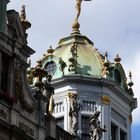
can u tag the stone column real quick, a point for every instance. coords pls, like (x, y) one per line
(105, 121)
(3, 15)
(80, 120)
(105, 117)
(66, 114)
(128, 137)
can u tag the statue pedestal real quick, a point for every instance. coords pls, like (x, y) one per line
(51, 126)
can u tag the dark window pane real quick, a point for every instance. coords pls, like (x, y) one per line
(113, 132)
(50, 67)
(85, 137)
(85, 126)
(122, 135)
(4, 73)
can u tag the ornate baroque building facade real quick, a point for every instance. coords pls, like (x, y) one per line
(60, 97)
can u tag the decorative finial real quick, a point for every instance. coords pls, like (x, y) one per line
(106, 54)
(76, 25)
(130, 75)
(50, 50)
(130, 83)
(25, 23)
(106, 62)
(117, 59)
(39, 65)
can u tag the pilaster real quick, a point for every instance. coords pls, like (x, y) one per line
(66, 113)
(118, 133)
(106, 118)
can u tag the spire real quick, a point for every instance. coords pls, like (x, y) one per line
(3, 15)
(117, 59)
(130, 83)
(76, 25)
(106, 62)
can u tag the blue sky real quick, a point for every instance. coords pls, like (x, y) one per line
(113, 26)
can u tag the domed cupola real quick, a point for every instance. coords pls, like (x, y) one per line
(76, 55)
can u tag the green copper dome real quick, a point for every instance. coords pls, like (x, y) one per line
(74, 55)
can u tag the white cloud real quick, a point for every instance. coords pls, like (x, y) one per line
(113, 26)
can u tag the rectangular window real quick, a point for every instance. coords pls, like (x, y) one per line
(85, 126)
(122, 135)
(114, 130)
(118, 117)
(4, 72)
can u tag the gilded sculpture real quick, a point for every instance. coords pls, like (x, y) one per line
(76, 24)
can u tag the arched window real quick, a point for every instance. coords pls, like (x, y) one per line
(50, 67)
(117, 76)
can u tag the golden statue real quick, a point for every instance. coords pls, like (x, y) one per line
(23, 13)
(78, 8)
(76, 24)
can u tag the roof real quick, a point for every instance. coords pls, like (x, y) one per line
(79, 55)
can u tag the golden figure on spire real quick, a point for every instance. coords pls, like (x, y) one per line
(76, 24)
(78, 7)
(23, 13)
(25, 23)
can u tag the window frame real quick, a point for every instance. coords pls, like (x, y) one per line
(51, 67)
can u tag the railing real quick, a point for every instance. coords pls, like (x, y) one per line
(58, 108)
(61, 134)
(88, 106)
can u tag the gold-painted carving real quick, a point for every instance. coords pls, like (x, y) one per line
(71, 94)
(105, 100)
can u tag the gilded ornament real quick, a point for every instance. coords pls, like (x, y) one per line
(76, 25)
(50, 50)
(105, 100)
